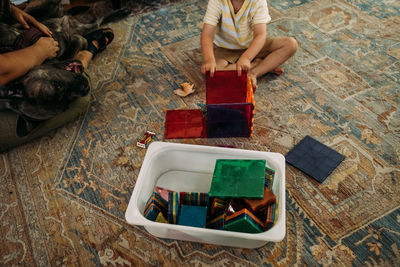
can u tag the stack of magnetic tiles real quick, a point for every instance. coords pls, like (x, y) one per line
(184, 208)
(240, 200)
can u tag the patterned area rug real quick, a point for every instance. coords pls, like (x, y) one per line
(63, 196)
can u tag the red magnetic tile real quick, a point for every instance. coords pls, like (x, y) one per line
(226, 87)
(185, 123)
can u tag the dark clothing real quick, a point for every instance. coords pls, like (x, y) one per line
(5, 15)
(27, 38)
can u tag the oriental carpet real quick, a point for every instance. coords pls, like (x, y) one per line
(64, 196)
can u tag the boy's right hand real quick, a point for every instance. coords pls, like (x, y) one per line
(47, 46)
(243, 64)
(208, 65)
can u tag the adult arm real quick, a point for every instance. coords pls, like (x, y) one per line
(15, 64)
(259, 37)
(207, 47)
(25, 19)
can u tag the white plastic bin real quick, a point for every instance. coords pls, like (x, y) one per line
(182, 167)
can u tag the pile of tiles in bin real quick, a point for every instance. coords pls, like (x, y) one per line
(240, 200)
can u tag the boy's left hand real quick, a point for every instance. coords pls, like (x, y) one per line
(243, 64)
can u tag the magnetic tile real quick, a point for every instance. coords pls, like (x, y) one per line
(193, 216)
(217, 222)
(243, 221)
(229, 120)
(255, 204)
(152, 212)
(314, 158)
(217, 206)
(226, 87)
(160, 218)
(157, 201)
(185, 123)
(193, 198)
(238, 178)
(271, 215)
(269, 177)
(173, 207)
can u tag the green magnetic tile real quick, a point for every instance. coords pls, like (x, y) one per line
(238, 178)
(243, 225)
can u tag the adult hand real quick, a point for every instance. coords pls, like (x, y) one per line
(243, 64)
(47, 46)
(25, 19)
(210, 66)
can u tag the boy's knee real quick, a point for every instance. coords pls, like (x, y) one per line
(291, 45)
(221, 63)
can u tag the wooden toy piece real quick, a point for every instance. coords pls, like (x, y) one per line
(173, 207)
(243, 221)
(256, 204)
(193, 198)
(160, 218)
(238, 178)
(193, 216)
(217, 222)
(187, 88)
(146, 139)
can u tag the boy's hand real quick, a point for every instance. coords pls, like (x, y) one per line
(210, 66)
(242, 64)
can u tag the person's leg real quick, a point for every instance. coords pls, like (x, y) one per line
(226, 58)
(272, 56)
(85, 56)
(100, 39)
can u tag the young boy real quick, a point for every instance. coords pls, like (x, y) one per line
(234, 37)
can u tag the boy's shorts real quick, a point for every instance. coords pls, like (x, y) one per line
(233, 55)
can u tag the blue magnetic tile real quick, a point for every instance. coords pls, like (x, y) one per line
(193, 216)
(229, 120)
(314, 158)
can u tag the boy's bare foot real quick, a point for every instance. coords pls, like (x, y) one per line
(278, 71)
(253, 79)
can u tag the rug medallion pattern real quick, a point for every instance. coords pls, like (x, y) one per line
(64, 195)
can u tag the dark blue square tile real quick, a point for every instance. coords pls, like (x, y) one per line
(314, 158)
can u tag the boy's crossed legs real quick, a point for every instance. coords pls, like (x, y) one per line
(274, 53)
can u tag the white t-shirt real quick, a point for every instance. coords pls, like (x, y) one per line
(235, 31)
